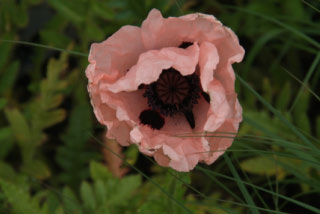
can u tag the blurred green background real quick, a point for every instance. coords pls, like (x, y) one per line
(51, 146)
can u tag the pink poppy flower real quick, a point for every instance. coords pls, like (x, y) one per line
(171, 76)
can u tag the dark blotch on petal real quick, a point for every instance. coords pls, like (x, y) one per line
(206, 96)
(151, 118)
(184, 45)
(190, 118)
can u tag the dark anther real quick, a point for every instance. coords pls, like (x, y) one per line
(184, 45)
(151, 118)
(141, 86)
(206, 96)
(190, 118)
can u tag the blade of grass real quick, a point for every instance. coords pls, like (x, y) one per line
(314, 163)
(197, 191)
(258, 45)
(284, 50)
(305, 48)
(306, 80)
(298, 195)
(278, 114)
(236, 135)
(241, 186)
(277, 22)
(206, 197)
(261, 139)
(179, 7)
(310, 5)
(302, 204)
(267, 141)
(305, 86)
(245, 205)
(304, 22)
(44, 46)
(221, 200)
(248, 179)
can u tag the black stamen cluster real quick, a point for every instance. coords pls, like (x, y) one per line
(171, 94)
(187, 103)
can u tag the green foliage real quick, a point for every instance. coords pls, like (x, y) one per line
(22, 133)
(8, 77)
(40, 113)
(19, 199)
(95, 14)
(105, 195)
(110, 193)
(70, 201)
(74, 154)
(263, 165)
(99, 172)
(5, 136)
(174, 183)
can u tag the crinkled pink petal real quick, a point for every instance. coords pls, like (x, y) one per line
(183, 153)
(161, 158)
(221, 141)
(220, 108)
(208, 61)
(158, 32)
(151, 64)
(107, 115)
(103, 112)
(128, 105)
(194, 16)
(126, 44)
(121, 132)
(181, 159)
(229, 52)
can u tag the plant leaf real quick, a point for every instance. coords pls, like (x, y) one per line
(87, 196)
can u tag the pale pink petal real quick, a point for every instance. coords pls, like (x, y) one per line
(103, 112)
(151, 64)
(161, 158)
(127, 105)
(194, 16)
(176, 124)
(221, 141)
(220, 108)
(121, 132)
(107, 115)
(201, 112)
(229, 52)
(125, 44)
(183, 153)
(208, 61)
(158, 32)
(236, 110)
(184, 157)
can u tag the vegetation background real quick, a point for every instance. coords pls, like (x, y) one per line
(54, 160)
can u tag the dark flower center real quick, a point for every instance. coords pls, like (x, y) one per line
(172, 87)
(172, 93)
